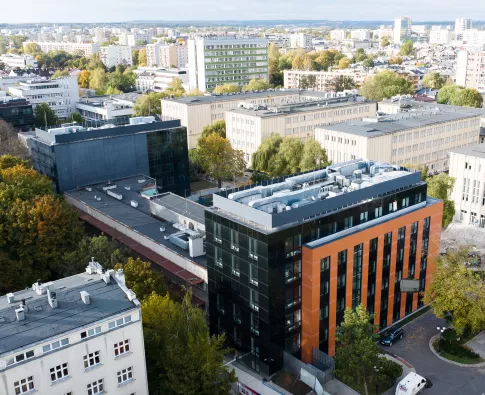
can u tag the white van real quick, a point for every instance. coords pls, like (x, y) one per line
(411, 384)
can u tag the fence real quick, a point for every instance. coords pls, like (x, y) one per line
(294, 365)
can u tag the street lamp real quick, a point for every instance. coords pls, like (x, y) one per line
(376, 369)
(441, 329)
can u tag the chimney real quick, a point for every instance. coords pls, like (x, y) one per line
(86, 298)
(92, 266)
(120, 276)
(106, 277)
(52, 298)
(20, 313)
(10, 298)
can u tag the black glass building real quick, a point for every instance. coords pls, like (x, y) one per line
(18, 113)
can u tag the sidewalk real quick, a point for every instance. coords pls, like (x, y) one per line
(406, 369)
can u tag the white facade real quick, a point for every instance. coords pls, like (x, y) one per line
(320, 80)
(338, 34)
(167, 55)
(87, 49)
(218, 61)
(158, 79)
(462, 24)
(467, 167)
(440, 35)
(19, 61)
(60, 94)
(90, 356)
(153, 55)
(113, 55)
(101, 109)
(470, 69)
(402, 29)
(301, 40)
(473, 37)
(360, 34)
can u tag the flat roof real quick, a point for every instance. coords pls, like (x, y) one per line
(398, 122)
(182, 206)
(140, 218)
(43, 322)
(476, 150)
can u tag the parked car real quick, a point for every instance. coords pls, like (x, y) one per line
(411, 384)
(391, 336)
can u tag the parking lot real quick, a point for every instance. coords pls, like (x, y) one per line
(447, 378)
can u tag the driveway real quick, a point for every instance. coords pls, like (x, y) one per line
(447, 379)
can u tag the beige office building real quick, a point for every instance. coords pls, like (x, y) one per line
(418, 137)
(470, 69)
(248, 126)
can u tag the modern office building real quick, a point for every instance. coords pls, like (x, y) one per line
(470, 69)
(80, 334)
(462, 24)
(218, 61)
(101, 110)
(87, 49)
(423, 135)
(114, 55)
(322, 81)
(467, 167)
(248, 125)
(60, 94)
(17, 112)
(286, 259)
(19, 61)
(402, 29)
(195, 112)
(73, 156)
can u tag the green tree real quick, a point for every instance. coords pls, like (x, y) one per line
(149, 104)
(31, 48)
(134, 56)
(406, 48)
(60, 73)
(257, 84)
(7, 161)
(142, 57)
(341, 83)
(288, 159)
(139, 43)
(344, 63)
(182, 357)
(218, 159)
(142, 279)
(218, 126)
(440, 187)
(447, 92)
(10, 143)
(98, 80)
(275, 73)
(467, 97)
(3, 45)
(76, 117)
(45, 116)
(175, 88)
(226, 88)
(360, 55)
(265, 153)
(314, 156)
(195, 92)
(385, 42)
(368, 63)
(356, 353)
(433, 81)
(385, 84)
(455, 289)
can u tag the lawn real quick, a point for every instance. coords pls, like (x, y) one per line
(287, 381)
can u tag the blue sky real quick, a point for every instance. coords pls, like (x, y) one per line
(123, 10)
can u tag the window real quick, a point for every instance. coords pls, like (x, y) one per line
(125, 375)
(91, 359)
(325, 288)
(24, 385)
(324, 312)
(55, 345)
(364, 216)
(253, 248)
(218, 256)
(348, 222)
(388, 238)
(119, 322)
(235, 266)
(122, 347)
(253, 274)
(90, 332)
(20, 357)
(58, 372)
(378, 212)
(325, 264)
(97, 387)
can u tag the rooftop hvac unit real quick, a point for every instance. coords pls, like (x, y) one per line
(118, 196)
(134, 203)
(85, 297)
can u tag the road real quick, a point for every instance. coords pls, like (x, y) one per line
(447, 379)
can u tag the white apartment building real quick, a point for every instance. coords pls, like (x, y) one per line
(100, 110)
(78, 335)
(60, 94)
(402, 29)
(218, 61)
(422, 136)
(440, 35)
(167, 55)
(470, 69)
(19, 61)
(158, 79)
(281, 40)
(473, 38)
(113, 55)
(197, 112)
(301, 40)
(338, 34)
(467, 167)
(249, 125)
(360, 34)
(153, 54)
(385, 31)
(319, 80)
(87, 49)
(462, 24)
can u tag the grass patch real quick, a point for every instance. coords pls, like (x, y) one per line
(202, 184)
(286, 380)
(413, 316)
(463, 357)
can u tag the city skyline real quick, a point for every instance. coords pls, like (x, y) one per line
(192, 10)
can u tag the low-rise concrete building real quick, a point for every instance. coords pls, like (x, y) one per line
(87, 49)
(19, 61)
(322, 80)
(100, 110)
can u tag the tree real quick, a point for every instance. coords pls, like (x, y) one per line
(218, 127)
(360, 55)
(226, 88)
(142, 279)
(455, 289)
(433, 81)
(45, 116)
(60, 73)
(257, 84)
(344, 63)
(10, 143)
(385, 42)
(18, 40)
(275, 74)
(76, 117)
(218, 159)
(357, 353)
(406, 48)
(467, 97)
(368, 63)
(182, 356)
(395, 60)
(31, 48)
(341, 83)
(142, 57)
(447, 92)
(98, 80)
(8, 161)
(385, 84)
(149, 104)
(288, 159)
(83, 80)
(440, 187)
(175, 88)
(314, 156)
(195, 92)
(134, 56)
(265, 153)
